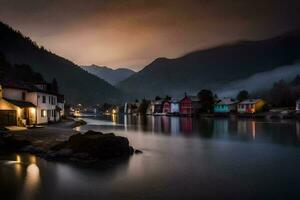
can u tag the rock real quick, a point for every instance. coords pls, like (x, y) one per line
(78, 123)
(90, 132)
(93, 146)
(138, 151)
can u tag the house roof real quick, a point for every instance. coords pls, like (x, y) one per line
(226, 101)
(21, 104)
(250, 101)
(30, 87)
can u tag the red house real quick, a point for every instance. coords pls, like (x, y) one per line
(189, 105)
(166, 107)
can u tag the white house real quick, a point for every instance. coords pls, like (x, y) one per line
(175, 106)
(29, 104)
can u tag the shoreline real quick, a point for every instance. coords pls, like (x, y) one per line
(52, 142)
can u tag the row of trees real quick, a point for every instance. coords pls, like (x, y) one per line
(22, 72)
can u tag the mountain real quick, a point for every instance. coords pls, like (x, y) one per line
(77, 85)
(110, 75)
(213, 68)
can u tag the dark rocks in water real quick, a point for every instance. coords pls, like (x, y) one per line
(137, 151)
(90, 132)
(10, 144)
(78, 123)
(92, 146)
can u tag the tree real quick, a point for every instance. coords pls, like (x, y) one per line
(157, 98)
(296, 81)
(242, 95)
(206, 100)
(54, 86)
(281, 95)
(168, 98)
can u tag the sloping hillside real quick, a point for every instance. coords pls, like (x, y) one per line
(112, 76)
(213, 68)
(78, 85)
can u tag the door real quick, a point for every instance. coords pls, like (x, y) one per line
(8, 118)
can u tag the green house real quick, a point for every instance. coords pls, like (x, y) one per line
(225, 106)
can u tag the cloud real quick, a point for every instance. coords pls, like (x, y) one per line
(135, 32)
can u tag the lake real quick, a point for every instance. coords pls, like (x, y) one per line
(183, 158)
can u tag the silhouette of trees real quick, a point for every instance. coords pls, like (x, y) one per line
(206, 100)
(242, 95)
(281, 95)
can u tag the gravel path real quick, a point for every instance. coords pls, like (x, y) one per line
(48, 135)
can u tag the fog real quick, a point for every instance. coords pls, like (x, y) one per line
(259, 81)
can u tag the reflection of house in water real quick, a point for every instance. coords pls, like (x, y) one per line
(157, 124)
(165, 124)
(221, 126)
(175, 126)
(247, 127)
(186, 124)
(298, 129)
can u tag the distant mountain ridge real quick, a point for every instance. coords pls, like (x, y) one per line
(213, 68)
(112, 76)
(77, 85)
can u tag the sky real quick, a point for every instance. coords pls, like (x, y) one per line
(133, 33)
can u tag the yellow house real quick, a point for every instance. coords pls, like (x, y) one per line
(16, 113)
(251, 106)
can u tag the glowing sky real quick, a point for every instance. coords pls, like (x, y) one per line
(132, 33)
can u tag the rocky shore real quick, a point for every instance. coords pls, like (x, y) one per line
(48, 143)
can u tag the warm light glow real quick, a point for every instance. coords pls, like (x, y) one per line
(77, 113)
(253, 129)
(18, 159)
(32, 159)
(114, 111)
(32, 111)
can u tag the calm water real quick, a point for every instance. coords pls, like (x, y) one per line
(183, 158)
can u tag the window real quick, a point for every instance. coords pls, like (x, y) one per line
(44, 99)
(23, 96)
(49, 99)
(43, 113)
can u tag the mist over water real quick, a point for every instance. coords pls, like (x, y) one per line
(259, 81)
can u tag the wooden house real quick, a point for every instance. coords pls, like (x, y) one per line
(166, 107)
(251, 106)
(175, 104)
(226, 105)
(189, 105)
(158, 107)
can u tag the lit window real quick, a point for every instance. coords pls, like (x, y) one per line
(43, 113)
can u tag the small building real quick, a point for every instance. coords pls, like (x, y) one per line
(158, 107)
(29, 104)
(190, 105)
(298, 106)
(150, 108)
(226, 105)
(166, 107)
(251, 106)
(175, 104)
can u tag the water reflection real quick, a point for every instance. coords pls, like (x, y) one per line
(227, 128)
